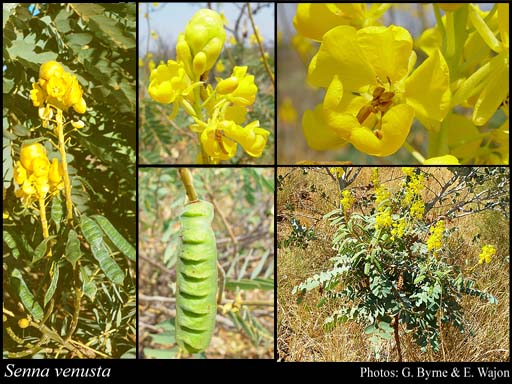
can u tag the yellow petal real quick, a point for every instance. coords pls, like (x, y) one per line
(442, 160)
(427, 90)
(318, 135)
(387, 49)
(494, 91)
(396, 125)
(341, 55)
(314, 20)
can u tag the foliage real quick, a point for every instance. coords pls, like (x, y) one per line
(243, 220)
(382, 277)
(69, 253)
(300, 235)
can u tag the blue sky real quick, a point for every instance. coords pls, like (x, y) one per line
(169, 19)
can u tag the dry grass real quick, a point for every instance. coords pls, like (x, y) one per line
(301, 336)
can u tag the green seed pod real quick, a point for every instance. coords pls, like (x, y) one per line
(196, 282)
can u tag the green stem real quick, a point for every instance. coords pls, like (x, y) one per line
(186, 179)
(62, 151)
(414, 152)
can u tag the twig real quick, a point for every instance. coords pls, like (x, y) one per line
(186, 179)
(262, 52)
(157, 264)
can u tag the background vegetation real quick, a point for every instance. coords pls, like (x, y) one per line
(244, 228)
(304, 248)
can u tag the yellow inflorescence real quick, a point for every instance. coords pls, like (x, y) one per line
(35, 175)
(58, 88)
(435, 240)
(488, 251)
(347, 199)
(218, 113)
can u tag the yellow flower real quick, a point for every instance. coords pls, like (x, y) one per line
(245, 93)
(337, 171)
(417, 209)
(220, 67)
(168, 82)
(56, 87)
(29, 153)
(37, 95)
(399, 228)
(80, 107)
(151, 65)
(488, 251)
(219, 139)
(383, 219)
(347, 199)
(51, 69)
(55, 172)
(304, 48)
(205, 35)
(154, 35)
(286, 111)
(253, 39)
(371, 99)
(20, 173)
(74, 92)
(435, 240)
(442, 160)
(40, 166)
(227, 85)
(313, 20)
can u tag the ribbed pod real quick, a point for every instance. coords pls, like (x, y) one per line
(196, 305)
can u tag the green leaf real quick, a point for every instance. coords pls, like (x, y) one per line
(79, 39)
(40, 250)
(247, 284)
(11, 243)
(94, 236)
(419, 279)
(26, 297)
(57, 211)
(117, 239)
(89, 289)
(152, 353)
(73, 252)
(53, 285)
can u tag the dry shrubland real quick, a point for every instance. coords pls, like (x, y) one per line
(306, 196)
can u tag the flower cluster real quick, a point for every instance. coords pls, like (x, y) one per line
(399, 228)
(347, 200)
(435, 240)
(413, 186)
(382, 201)
(337, 171)
(36, 175)
(219, 112)
(488, 251)
(383, 219)
(58, 88)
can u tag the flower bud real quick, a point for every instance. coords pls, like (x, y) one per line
(30, 152)
(50, 69)
(227, 85)
(199, 63)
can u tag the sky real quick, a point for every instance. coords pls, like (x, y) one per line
(169, 19)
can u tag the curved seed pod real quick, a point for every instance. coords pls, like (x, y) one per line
(196, 281)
